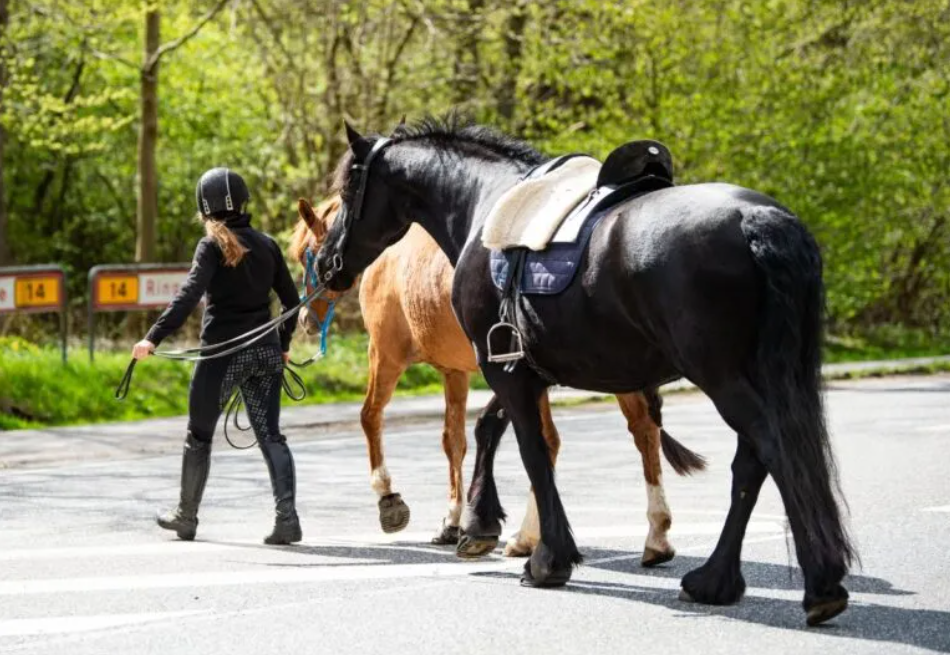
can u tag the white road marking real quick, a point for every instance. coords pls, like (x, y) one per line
(935, 428)
(381, 571)
(127, 550)
(345, 568)
(70, 624)
(944, 508)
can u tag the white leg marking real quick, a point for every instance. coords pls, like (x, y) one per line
(658, 514)
(524, 541)
(455, 514)
(381, 482)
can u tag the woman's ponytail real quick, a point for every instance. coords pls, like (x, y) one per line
(230, 245)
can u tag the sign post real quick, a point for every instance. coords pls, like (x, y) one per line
(131, 287)
(34, 290)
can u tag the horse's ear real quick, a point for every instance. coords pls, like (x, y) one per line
(305, 209)
(358, 143)
(398, 128)
(317, 224)
(351, 134)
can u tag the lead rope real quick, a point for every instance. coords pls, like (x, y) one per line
(236, 402)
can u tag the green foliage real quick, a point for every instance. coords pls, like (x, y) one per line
(836, 109)
(36, 389)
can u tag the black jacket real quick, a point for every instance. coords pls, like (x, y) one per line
(238, 297)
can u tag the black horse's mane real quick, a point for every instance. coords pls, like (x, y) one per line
(456, 133)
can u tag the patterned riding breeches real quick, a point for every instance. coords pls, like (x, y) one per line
(257, 371)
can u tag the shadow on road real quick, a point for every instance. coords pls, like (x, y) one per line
(379, 554)
(927, 629)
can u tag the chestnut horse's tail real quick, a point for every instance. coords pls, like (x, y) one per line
(683, 460)
(788, 375)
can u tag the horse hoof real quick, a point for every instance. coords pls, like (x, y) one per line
(517, 548)
(393, 513)
(825, 611)
(542, 578)
(713, 585)
(447, 535)
(473, 547)
(652, 557)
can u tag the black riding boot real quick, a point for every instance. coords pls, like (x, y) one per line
(283, 479)
(195, 462)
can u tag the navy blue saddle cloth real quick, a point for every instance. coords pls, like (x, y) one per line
(549, 272)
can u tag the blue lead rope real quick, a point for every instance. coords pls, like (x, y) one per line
(324, 326)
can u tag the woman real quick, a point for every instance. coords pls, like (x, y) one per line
(235, 267)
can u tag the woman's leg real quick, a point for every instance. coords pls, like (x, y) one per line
(211, 384)
(261, 392)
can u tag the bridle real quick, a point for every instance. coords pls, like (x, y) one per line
(350, 216)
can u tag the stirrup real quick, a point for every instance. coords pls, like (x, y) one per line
(516, 351)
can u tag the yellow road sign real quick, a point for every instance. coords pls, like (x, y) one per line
(38, 291)
(117, 290)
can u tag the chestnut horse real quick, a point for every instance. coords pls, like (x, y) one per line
(405, 297)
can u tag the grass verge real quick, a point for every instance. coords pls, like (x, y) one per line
(37, 390)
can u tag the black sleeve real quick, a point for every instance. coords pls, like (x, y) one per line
(203, 266)
(287, 293)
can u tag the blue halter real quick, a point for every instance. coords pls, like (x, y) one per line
(311, 277)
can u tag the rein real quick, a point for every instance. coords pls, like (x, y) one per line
(249, 338)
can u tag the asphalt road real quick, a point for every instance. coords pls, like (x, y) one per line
(84, 570)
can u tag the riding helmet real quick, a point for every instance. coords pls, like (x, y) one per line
(221, 192)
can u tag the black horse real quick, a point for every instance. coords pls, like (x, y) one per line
(711, 282)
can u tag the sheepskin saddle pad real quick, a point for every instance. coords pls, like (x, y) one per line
(529, 214)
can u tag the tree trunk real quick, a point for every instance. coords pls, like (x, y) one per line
(467, 66)
(147, 211)
(514, 46)
(5, 255)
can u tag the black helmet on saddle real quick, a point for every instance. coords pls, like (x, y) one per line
(221, 193)
(635, 160)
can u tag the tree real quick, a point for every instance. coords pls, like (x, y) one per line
(4, 238)
(147, 209)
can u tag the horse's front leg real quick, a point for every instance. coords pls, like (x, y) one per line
(555, 555)
(384, 373)
(454, 444)
(481, 522)
(523, 542)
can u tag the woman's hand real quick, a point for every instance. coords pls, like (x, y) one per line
(142, 349)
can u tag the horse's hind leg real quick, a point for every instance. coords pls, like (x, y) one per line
(454, 444)
(523, 542)
(384, 373)
(719, 581)
(760, 452)
(646, 435)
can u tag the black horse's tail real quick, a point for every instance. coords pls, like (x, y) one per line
(788, 374)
